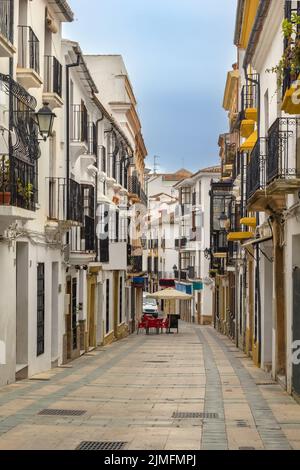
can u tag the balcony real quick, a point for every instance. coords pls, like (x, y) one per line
(249, 104)
(283, 161)
(135, 264)
(136, 191)
(180, 243)
(18, 168)
(57, 199)
(52, 82)
(183, 275)
(256, 177)
(75, 203)
(79, 129)
(82, 249)
(6, 28)
(28, 69)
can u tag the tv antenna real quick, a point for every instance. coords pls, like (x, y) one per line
(155, 164)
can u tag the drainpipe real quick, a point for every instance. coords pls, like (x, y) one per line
(96, 189)
(68, 67)
(257, 274)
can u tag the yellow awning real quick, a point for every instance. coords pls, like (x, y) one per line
(239, 236)
(220, 255)
(249, 221)
(250, 142)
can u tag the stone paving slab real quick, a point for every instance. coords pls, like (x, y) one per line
(127, 397)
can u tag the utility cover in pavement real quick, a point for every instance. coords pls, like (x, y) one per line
(94, 445)
(53, 412)
(178, 415)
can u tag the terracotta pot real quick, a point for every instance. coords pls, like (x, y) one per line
(5, 198)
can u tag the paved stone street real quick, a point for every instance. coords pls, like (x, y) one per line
(131, 390)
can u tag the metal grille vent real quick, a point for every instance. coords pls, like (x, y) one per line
(94, 445)
(53, 412)
(178, 415)
(242, 424)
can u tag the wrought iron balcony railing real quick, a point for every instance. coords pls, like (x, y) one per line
(88, 234)
(53, 75)
(256, 170)
(180, 242)
(283, 161)
(219, 243)
(79, 123)
(75, 202)
(6, 19)
(57, 199)
(18, 169)
(136, 264)
(29, 49)
(249, 95)
(18, 183)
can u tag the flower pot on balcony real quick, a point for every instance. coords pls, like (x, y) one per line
(5, 198)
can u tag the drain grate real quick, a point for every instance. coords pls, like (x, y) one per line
(53, 412)
(246, 448)
(94, 445)
(178, 415)
(242, 424)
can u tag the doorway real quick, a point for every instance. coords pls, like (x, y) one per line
(54, 313)
(22, 275)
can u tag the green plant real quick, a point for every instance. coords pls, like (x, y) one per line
(4, 175)
(25, 191)
(290, 60)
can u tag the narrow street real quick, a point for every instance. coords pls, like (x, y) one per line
(131, 391)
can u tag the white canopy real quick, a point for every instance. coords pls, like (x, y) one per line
(169, 294)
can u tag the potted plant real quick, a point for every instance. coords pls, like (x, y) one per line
(25, 192)
(289, 64)
(5, 194)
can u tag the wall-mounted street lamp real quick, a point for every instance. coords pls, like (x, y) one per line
(45, 119)
(223, 221)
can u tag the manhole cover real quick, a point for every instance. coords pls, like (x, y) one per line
(53, 412)
(93, 445)
(266, 382)
(178, 415)
(156, 362)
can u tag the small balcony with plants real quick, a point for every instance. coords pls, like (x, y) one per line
(288, 68)
(19, 157)
(7, 48)
(28, 67)
(52, 93)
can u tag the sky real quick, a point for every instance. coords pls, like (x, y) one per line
(177, 54)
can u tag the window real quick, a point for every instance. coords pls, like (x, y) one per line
(40, 309)
(121, 301)
(186, 195)
(107, 305)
